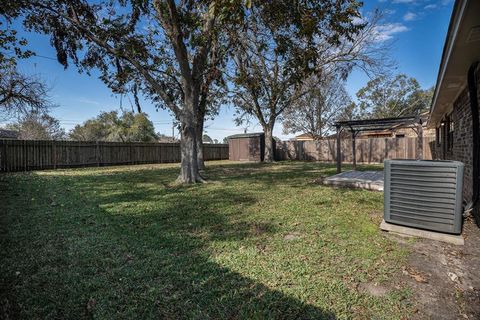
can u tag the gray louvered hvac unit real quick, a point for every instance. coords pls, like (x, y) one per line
(424, 194)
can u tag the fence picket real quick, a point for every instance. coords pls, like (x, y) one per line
(23, 155)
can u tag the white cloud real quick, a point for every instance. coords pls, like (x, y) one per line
(430, 6)
(404, 1)
(89, 101)
(358, 20)
(410, 16)
(386, 31)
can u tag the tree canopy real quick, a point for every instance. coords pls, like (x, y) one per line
(38, 126)
(390, 96)
(20, 94)
(207, 139)
(169, 51)
(324, 102)
(110, 126)
(279, 49)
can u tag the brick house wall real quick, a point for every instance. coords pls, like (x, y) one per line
(459, 145)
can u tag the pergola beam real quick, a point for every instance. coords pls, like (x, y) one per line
(357, 126)
(339, 150)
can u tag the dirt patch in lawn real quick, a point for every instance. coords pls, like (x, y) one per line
(444, 278)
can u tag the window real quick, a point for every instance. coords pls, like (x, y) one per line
(450, 129)
(440, 133)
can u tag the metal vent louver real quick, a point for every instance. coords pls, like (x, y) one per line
(424, 194)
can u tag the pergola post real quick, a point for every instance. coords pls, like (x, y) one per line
(420, 140)
(354, 151)
(339, 151)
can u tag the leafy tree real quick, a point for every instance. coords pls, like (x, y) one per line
(225, 140)
(90, 130)
(38, 126)
(390, 96)
(109, 126)
(20, 94)
(315, 113)
(284, 44)
(169, 51)
(350, 112)
(215, 141)
(206, 139)
(167, 139)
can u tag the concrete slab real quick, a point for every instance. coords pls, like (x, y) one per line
(402, 230)
(370, 180)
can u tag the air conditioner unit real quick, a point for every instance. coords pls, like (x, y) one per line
(424, 194)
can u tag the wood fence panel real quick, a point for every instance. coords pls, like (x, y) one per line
(24, 155)
(368, 150)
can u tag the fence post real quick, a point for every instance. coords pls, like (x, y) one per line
(339, 152)
(54, 154)
(354, 151)
(3, 164)
(97, 153)
(420, 140)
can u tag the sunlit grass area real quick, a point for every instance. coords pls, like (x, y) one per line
(257, 242)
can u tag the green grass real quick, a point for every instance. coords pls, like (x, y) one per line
(258, 242)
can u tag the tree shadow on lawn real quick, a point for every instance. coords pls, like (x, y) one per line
(139, 251)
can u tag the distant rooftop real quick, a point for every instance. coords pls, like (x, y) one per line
(246, 135)
(9, 134)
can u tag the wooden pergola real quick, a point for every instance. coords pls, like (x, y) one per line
(357, 126)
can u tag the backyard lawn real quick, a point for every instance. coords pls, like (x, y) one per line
(259, 241)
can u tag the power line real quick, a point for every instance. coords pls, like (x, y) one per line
(44, 57)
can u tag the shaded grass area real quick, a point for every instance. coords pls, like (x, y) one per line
(258, 242)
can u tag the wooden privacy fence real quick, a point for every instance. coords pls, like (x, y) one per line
(368, 150)
(24, 155)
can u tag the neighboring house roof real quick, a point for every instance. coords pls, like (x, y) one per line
(9, 134)
(246, 135)
(461, 49)
(304, 137)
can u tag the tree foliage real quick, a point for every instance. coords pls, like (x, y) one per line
(22, 94)
(390, 96)
(207, 139)
(38, 126)
(169, 51)
(280, 48)
(325, 101)
(110, 126)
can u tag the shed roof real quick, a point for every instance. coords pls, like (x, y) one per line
(246, 135)
(9, 134)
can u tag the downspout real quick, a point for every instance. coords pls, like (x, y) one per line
(473, 90)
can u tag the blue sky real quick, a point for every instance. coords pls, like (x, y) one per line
(417, 29)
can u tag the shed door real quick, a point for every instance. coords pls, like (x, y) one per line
(243, 150)
(238, 149)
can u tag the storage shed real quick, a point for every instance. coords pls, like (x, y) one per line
(246, 147)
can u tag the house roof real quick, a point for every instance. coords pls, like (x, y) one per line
(304, 136)
(461, 49)
(246, 135)
(8, 134)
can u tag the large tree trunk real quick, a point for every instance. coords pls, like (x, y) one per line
(199, 133)
(269, 150)
(189, 172)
